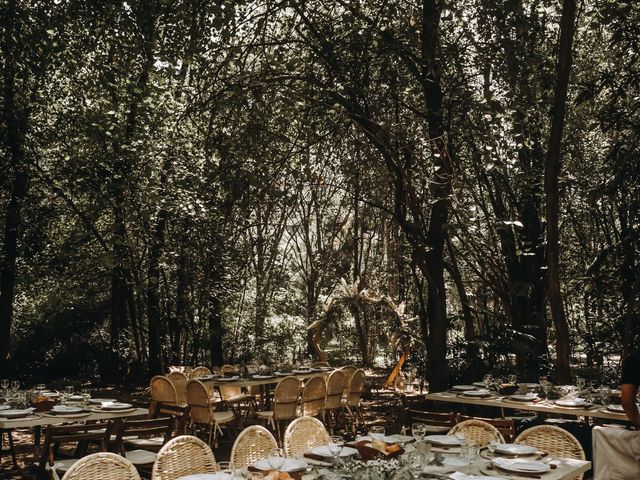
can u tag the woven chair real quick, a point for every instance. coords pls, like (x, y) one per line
(201, 410)
(240, 402)
(80, 435)
(162, 390)
(11, 450)
(102, 466)
(252, 444)
(478, 431)
(348, 371)
(436, 422)
(139, 440)
(320, 364)
(181, 456)
(285, 404)
(556, 441)
(506, 427)
(333, 399)
(313, 396)
(179, 381)
(352, 401)
(200, 371)
(303, 434)
(179, 413)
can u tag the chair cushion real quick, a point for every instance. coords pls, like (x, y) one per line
(223, 417)
(145, 443)
(265, 414)
(140, 457)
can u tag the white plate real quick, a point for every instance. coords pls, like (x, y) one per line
(479, 384)
(527, 397)
(463, 388)
(15, 413)
(282, 374)
(447, 440)
(521, 466)
(289, 465)
(395, 438)
(477, 393)
(75, 398)
(66, 409)
(571, 402)
(50, 394)
(529, 386)
(207, 476)
(260, 377)
(454, 462)
(323, 451)
(615, 408)
(5, 407)
(227, 379)
(515, 449)
(116, 406)
(301, 370)
(102, 400)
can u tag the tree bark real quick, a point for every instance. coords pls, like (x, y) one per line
(552, 173)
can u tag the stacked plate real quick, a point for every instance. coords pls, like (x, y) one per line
(323, 451)
(115, 406)
(515, 449)
(289, 465)
(480, 393)
(463, 388)
(527, 397)
(443, 440)
(16, 413)
(572, 402)
(522, 466)
(65, 409)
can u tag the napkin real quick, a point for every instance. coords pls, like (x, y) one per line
(464, 476)
(523, 465)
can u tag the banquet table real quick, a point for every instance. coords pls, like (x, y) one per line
(502, 402)
(42, 419)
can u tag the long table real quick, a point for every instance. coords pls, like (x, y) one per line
(540, 406)
(43, 419)
(257, 382)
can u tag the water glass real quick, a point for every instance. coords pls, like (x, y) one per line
(418, 430)
(492, 446)
(376, 432)
(86, 395)
(512, 379)
(336, 444)
(416, 462)
(69, 390)
(605, 393)
(487, 380)
(15, 386)
(469, 451)
(275, 459)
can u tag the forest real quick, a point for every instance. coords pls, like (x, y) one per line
(263, 181)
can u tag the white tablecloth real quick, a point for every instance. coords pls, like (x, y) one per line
(616, 454)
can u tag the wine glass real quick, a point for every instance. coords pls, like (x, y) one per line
(275, 459)
(376, 432)
(492, 446)
(418, 430)
(336, 444)
(512, 379)
(605, 393)
(580, 383)
(487, 380)
(4, 383)
(69, 390)
(416, 463)
(15, 386)
(86, 395)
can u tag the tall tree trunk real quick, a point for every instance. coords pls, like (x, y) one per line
(16, 125)
(552, 173)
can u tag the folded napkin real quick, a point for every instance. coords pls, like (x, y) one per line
(523, 465)
(464, 476)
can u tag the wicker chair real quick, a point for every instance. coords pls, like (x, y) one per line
(145, 437)
(320, 364)
(252, 444)
(11, 450)
(285, 404)
(478, 431)
(201, 410)
(556, 441)
(78, 434)
(303, 434)
(352, 401)
(179, 413)
(506, 427)
(179, 381)
(102, 466)
(162, 390)
(181, 456)
(241, 403)
(333, 399)
(200, 371)
(313, 396)
(436, 422)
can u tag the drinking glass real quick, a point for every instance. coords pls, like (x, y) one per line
(512, 378)
(41, 387)
(546, 387)
(580, 383)
(86, 395)
(336, 444)
(418, 430)
(69, 390)
(470, 451)
(605, 393)
(4, 383)
(415, 462)
(487, 380)
(492, 446)
(15, 385)
(376, 432)
(275, 459)
(462, 438)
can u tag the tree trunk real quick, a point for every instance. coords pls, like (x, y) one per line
(552, 173)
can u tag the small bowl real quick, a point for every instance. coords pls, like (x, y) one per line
(43, 406)
(508, 389)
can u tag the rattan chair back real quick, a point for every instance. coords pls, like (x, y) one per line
(179, 381)
(505, 426)
(252, 444)
(199, 371)
(335, 389)
(199, 402)
(313, 396)
(162, 390)
(181, 456)
(285, 398)
(102, 466)
(556, 441)
(129, 430)
(303, 434)
(356, 387)
(228, 392)
(478, 431)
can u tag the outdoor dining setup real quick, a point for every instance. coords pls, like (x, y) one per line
(306, 422)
